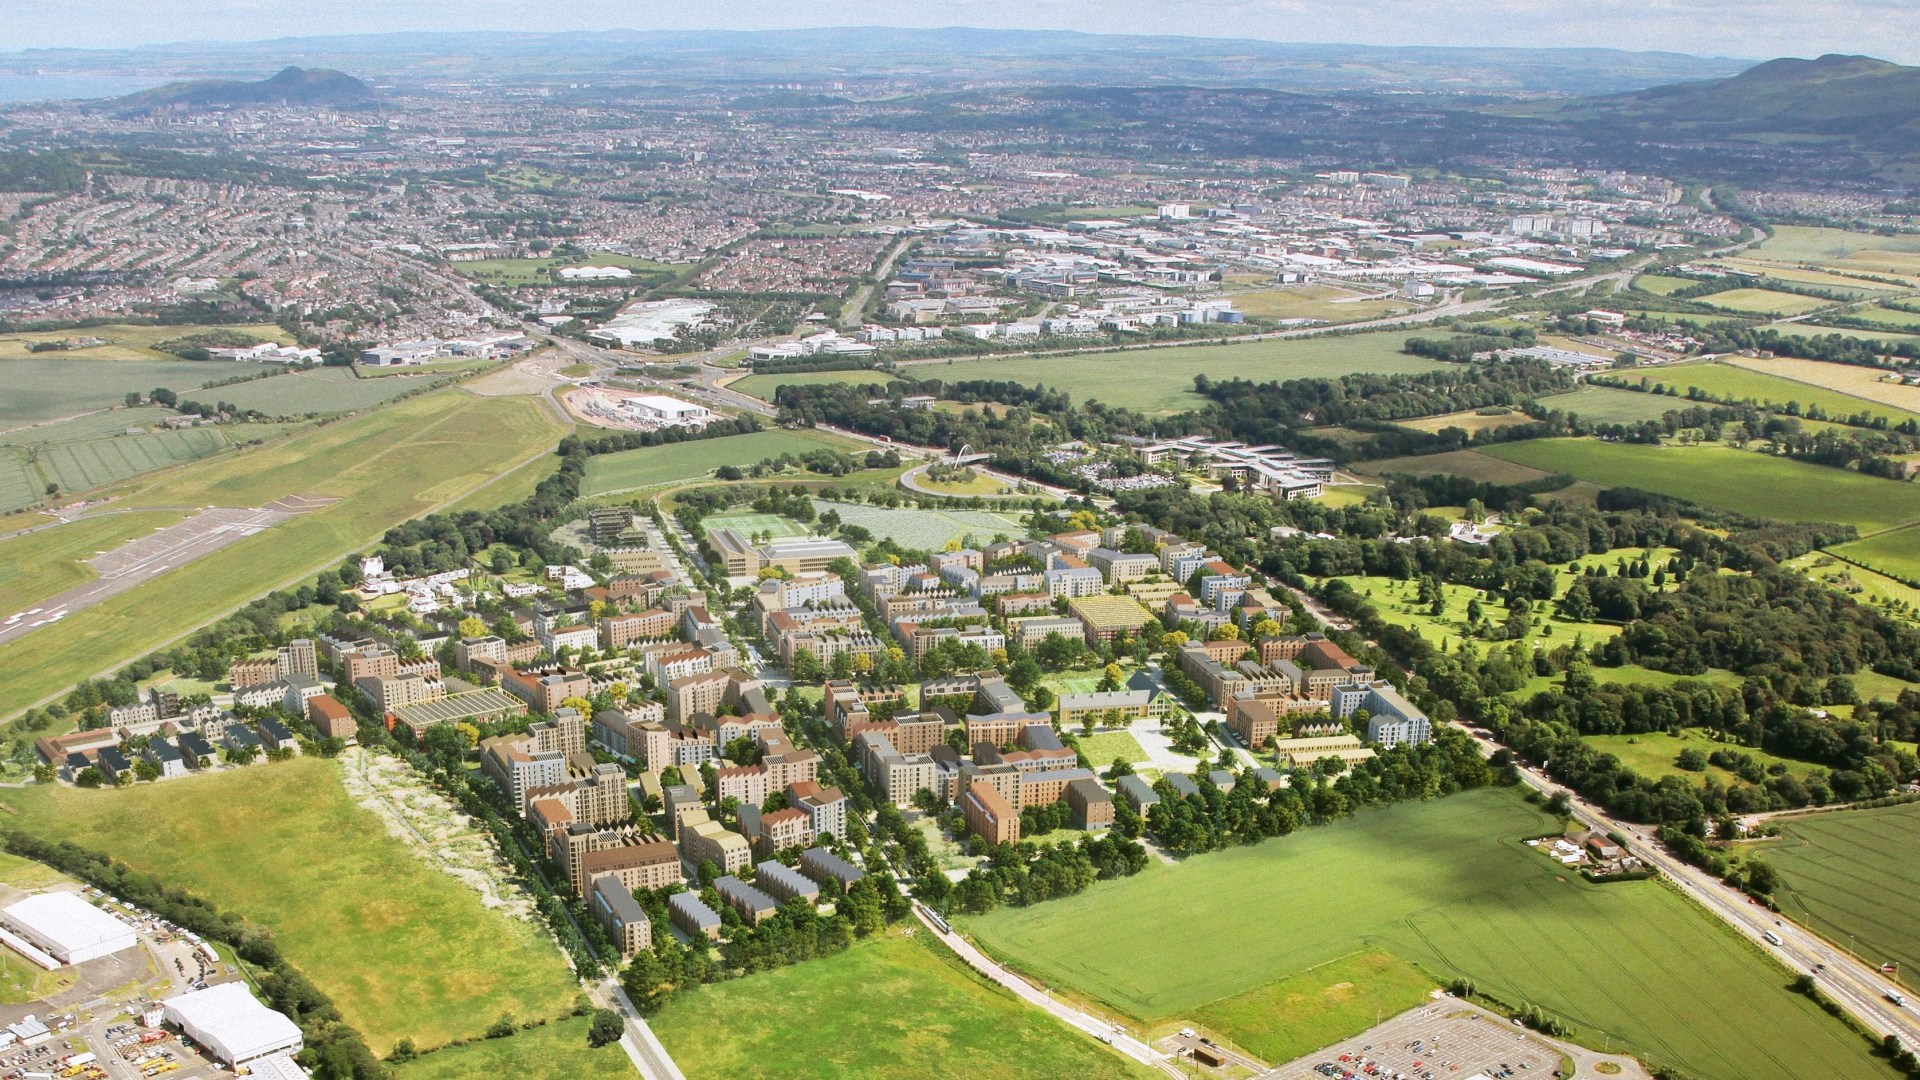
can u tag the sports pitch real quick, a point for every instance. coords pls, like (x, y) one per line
(925, 530)
(749, 524)
(1448, 886)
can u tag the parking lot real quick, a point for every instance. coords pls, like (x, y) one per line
(1440, 1041)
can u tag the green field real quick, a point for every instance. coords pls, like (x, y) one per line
(1765, 302)
(763, 386)
(1472, 464)
(1628, 675)
(92, 426)
(748, 524)
(1741, 481)
(1762, 388)
(1660, 285)
(631, 470)
(556, 1051)
(1106, 747)
(322, 390)
(1398, 603)
(1161, 380)
(1305, 1011)
(1326, 303)
(385, 467)
(40, 389)
(888, 1007)
(1893, 318)
(1808, 329)
(1806, 244)
(1447, 886)
(1896, 552)
(132, 341)
(37, 565)
(513, 273)
(1652, 755)
(1851, 876)
(403, 949)
(1603, 404)
(926, 530)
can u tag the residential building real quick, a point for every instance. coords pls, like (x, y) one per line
(990, 815)
(543, 691)
(754, 906)
(703, 839)
(612, 906)
(1091, 804)
(823, 866)
(694, 918)
(785, 883)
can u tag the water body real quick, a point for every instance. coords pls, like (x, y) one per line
(23, 88)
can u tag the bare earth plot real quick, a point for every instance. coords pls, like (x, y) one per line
(141, 560)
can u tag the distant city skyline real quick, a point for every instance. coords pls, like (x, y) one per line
(1757, 29)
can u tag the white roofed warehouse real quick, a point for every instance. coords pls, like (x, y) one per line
(68, 928)
(231, 1025)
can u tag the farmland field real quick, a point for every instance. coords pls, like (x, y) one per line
(40, 389)
(1849, 379)
(1806, 244)
(763, 386)
(95, 425)
(1896, 553)
(1161, 380)
(82, 465)
(131, 341)
(1447, 886)
(556, 1051)
(385, 467)
(1307, 1010)
(1850, 876)
(1765, 302)
(1661, 285)
(1741, 481)
(1892, 318)
(1603, 404)
(631, 470)
(1472, 464)
(925, 530)
(1807, 329)
(322, 390)
(888, 1007)
(1467, 421)
(403, 949)
(38, 565)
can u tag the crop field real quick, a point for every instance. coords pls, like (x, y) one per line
(322, 390)
(92, 426)
(1609, 406)
(556, 1051)
(1741, 481)
(925, 530)
(82, 465)
(403, 949)
(1324, 302)
(40, 389)
(1808, 329)
(385, 467)
(1472, 464)
(763, 386)
(1653, 755)
(1851, 876)
(1660, 285)
(1468, 421)
(631, 470)
(41, 564)
(1892, 318)
(1448, 887)
(1161, 379)
(1850, 379)
(890, 1006)
(1765, 302)
(749, 524)
(1896, 552)
(1840, 284)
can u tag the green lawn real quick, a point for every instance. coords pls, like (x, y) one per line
(631, 470)
(1802, 243)
(888, 1007)
(41, 564)
(1106, 747)
(1161, 380)
(1317, 1007)
(1741, 481)
(556, 1051)
(1743, 384)
(1851, 875)
(927, 530)
(403, 949)
(1652, 755)
(1448, 887)
(385, 467)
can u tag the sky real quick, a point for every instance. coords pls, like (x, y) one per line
(1889, 29)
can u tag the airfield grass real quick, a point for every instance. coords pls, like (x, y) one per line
(385, 467)
(1742, 481)
(1851, 876)
(403, 949)
(39, 389)
(1161, 379)
(631, 470)
(556, 1051)
(1653, 754)
(1896, 552)
(1765, 383)
(322, 390)
(1309, 1009)
(1106, 747)
(890, 1006)
(1765, 302)
(1849, 379)
(763, 386)
(1448, 887)
(42, 564)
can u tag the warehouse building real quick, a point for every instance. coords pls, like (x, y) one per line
(68, 928)
(231, 1024)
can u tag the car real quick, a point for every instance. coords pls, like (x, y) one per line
(1186, 1033)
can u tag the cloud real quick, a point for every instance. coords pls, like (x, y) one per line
(1751, 28)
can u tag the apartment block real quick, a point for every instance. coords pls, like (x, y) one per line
(990, 815)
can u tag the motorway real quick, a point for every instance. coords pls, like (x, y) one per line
(1856, 986)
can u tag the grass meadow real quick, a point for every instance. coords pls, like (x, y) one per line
(385, 467)
(1765, 302)
(39, 389)
(40, 564)
(556, 1051)
(1851, 876)
(632, 470)
(1661, 285)
(1742, 481)
(1472, 464)
(1765, 383)
(1446, 886)
(891, 1006)
(1652, 755)
(1807, 244)
(1895, 552)
(403, 949)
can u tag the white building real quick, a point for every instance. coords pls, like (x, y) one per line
(231, 1025)
(667, 411)
(68, 928)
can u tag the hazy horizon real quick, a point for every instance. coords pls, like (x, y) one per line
(1757, 29)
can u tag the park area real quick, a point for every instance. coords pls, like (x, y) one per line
(1655, 754)
(1852, 877)
(1742, 481)
(890, 1006)
(404, 950)
(1447, 887)
(672, 463)
(926, 530)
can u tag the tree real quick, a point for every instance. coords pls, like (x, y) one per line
(471, 627)
(403, 1051)
(146, 770)
(89, 777)
(605, 1028)
(1110, 677)
(501, 1028)
(580, 705)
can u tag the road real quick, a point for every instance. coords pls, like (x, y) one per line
(856, 304)
(1856, 986)
(643, 1049)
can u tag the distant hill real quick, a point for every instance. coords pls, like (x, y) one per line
(962, 55)
(293, 86)
(1864, 103)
